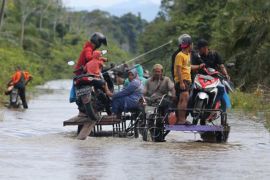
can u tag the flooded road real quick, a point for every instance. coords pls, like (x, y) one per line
(35, 145)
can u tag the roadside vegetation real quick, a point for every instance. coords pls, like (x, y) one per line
(42, 36)
(238, 30)
(255, 104)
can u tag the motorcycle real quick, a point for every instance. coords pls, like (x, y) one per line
(14, 98)
(13, 94)
(90, 97)
(207, 92)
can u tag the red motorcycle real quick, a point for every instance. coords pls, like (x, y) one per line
(207, 94)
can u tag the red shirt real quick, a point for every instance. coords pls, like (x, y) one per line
(85, 56)
(95, 65)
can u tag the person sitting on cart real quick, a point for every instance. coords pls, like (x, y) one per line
(157, 86)
(128, 98)
(140, 72)
(19, 80)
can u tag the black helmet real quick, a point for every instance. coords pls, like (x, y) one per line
(202, 43)
(184, 40)
(98, 39)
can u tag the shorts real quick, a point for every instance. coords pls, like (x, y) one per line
(178, 91)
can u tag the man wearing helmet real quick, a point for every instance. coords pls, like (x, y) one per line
(86, 55)
(182, 76)
(96, 40)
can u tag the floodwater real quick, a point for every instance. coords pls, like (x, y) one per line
(35, 145)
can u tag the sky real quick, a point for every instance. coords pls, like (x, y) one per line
(147, 8)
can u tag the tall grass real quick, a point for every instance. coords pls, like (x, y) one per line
(252, 103)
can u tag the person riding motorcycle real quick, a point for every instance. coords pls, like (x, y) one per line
(86, 55)
(212, 59)
(96, 65)
(19, 80)
(96, 41)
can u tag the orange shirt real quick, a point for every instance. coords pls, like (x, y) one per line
(94, 67)
(17, 76)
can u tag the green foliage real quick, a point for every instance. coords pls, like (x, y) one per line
(238, 29)
(62, 30)
(246, 101)
(53, 35)
(253, 104)
(122, 30)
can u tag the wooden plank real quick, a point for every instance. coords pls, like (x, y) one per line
(86, 130)
(102, 122)
(80, 120)
(108, 120)
(76, 120)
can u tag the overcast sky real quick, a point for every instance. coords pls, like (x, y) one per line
(148, 8)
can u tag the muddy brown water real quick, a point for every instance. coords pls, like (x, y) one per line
(34, 145)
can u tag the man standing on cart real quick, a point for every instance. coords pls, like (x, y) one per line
(182, 76)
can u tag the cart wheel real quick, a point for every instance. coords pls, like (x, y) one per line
(195, 121)
(223, 119)
(223, 136)
(216, 137)
(145, 134)
(202, 122)
(158, 131)
(136, 131)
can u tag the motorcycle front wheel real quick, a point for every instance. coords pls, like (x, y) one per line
(198, 113)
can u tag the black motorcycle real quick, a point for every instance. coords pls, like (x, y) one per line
(90, 96)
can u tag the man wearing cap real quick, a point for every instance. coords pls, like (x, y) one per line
(182, 76)
(158, 85)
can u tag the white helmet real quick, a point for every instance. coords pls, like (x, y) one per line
(184, 40)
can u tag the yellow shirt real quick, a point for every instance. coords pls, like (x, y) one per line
(182, 60)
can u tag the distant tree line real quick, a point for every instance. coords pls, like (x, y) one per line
(238, 29)
(42, 36)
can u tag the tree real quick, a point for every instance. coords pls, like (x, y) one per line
(2, 13)
(27, 8)
(238, 30)
(45, 5)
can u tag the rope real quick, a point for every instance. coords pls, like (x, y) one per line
(144, 54)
